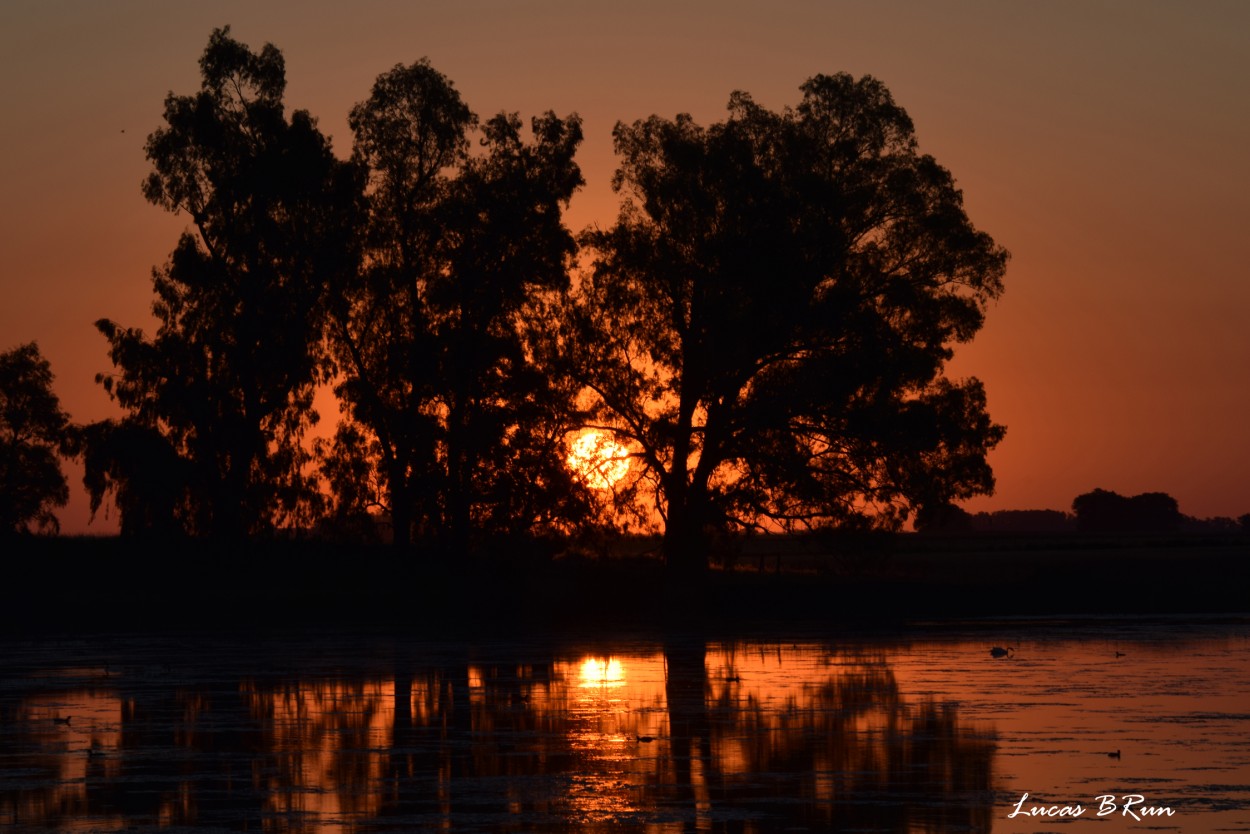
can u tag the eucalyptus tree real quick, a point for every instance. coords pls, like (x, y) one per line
(227, 381)
(464, 242)
(767, 324)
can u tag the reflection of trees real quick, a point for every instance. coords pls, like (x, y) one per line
(513, 743)
(325, 743)
(49, 763)
(859, 756)
(498, 741)
(686, 687)
(184, 756)
(137, 752)
(844, 752)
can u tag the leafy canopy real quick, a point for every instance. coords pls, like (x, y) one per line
(227, 381)
(768, 321)
(34, 431)
(462, 242)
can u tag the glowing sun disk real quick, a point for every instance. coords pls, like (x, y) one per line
(598, 459)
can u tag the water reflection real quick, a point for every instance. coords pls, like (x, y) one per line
(681, 735)
(325, 746)
(60, 740)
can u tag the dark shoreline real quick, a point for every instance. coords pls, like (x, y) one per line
(98, 585)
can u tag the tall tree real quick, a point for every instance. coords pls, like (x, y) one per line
(767, 323)
(227, 381)
(462, 246)
(413, 128)
(34, 432)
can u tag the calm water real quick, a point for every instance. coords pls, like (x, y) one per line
(919, 731)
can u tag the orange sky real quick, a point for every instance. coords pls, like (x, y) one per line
(1104, 144)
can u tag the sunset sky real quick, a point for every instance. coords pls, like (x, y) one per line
(1103, 143)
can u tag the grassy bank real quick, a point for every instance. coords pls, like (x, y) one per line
(107, 584)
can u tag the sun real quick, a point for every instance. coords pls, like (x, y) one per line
(598, 458)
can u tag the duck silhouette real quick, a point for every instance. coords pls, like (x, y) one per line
(999, 651)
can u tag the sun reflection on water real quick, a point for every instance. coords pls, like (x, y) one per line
(601, 672)
(677, 736)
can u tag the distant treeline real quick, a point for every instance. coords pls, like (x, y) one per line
(1098, 511)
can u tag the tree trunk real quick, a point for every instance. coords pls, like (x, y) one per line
(685, 550)
(233, 495)
(401, 508)
(459, 485)
(685, 542)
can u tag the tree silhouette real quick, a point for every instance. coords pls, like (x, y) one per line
(460, 248)
(148, 480)
(227, 381)
(943, 518)
(33, 432)
(766, 324)
(1103, 511)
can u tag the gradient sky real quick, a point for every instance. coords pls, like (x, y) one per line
(1103, 143)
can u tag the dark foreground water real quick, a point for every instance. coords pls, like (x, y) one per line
(922, 730)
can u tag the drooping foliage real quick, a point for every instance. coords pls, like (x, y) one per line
(767, 323)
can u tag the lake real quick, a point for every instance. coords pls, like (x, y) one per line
(921, 729)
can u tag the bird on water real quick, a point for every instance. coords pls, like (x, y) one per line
(999, 651)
